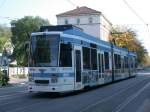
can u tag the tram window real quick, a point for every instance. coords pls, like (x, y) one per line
(102, 57)
(119, 62)
(136, 64)
(94, 59)
(99, 60)
(106, 57)
(123, 64)
(117, 59)
(45, 50)
(86, 58)
(132, 62)
(65, 55)
(126, 62)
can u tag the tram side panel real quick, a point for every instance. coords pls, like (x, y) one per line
(90, 71)
(132, 66)
(96, 66)
(117, 67)
(107, 67)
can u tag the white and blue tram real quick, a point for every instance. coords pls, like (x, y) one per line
(63, 58)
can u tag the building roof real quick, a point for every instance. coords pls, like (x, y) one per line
(79, 11)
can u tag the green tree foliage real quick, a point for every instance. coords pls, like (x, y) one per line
(5, 34)
(145, 59)
(21, 29)
(126, 38)
(3, 79)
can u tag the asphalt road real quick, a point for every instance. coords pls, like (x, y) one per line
(132, 95)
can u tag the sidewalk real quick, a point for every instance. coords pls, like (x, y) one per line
(18, 82)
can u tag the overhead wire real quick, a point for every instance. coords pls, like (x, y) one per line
(72, 3)
(146, 24)
(129, 6)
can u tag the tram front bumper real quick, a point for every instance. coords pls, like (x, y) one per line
(56, 88)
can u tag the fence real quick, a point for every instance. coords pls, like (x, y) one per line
(18, 72)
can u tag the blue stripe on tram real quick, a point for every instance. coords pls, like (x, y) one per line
(48, 75)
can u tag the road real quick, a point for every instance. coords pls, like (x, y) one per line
(132, 95)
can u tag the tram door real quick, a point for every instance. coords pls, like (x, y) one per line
(101, 67)
(77, 66)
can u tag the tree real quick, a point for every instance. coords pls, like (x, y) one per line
(5, 34)
(21, 29)
(126, 38)
(146, 59)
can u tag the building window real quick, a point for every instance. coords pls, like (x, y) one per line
(66, 21)
(90, 20)
(78, 21)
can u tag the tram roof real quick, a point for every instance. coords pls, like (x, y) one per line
(74, 30)
(59, 28)
(77, 32)
(132, 54)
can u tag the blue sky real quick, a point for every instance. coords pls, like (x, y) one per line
(115, 10)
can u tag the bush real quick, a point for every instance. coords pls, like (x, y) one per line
(3, 79)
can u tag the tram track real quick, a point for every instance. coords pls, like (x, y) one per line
(88, 107)
(29, 102)
(131, 98)
(11, 96)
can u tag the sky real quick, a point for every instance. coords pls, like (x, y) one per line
(115, 10)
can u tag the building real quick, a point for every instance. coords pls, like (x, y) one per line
(91, 21)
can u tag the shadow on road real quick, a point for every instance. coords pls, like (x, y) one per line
(46, 95)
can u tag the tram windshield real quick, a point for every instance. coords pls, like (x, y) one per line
(44, 50)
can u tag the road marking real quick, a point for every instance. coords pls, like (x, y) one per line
(16, 92)
(131, 98)
(12, 87)
(140, 73)
(108, 98)
(20, 109)
(3, 97)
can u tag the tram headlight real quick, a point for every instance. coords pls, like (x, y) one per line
(54, 78)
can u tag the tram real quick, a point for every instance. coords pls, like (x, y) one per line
(63, 58)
